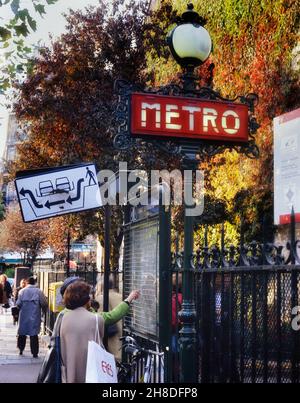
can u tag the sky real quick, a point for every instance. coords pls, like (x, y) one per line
(53, 22)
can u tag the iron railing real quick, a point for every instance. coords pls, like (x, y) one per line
(245, 295)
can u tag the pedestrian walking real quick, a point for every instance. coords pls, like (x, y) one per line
(31, 301)
(7, 291)
(78, 327)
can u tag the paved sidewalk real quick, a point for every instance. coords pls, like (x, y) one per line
(13, 367)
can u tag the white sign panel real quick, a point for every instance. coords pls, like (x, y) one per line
(287, 166)
(57, 191)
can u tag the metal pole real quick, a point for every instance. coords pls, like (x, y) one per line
(68, 252)
(107, 210)
(293, 237)
(187, 339)
(165, 286)
(106, 258)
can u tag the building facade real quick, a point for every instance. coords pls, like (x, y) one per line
(13, 138)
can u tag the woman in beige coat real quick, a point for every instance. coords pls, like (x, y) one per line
(78, 327)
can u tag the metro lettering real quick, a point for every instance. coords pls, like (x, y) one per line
(160, 115)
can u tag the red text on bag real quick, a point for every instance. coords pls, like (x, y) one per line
(106, 368)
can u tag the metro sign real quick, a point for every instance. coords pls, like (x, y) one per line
(188, 118)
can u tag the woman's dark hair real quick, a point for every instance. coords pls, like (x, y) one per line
(77, 294)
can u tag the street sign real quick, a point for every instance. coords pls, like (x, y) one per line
(46, 193)
(188, 118)
(83, 247)
(287, 167)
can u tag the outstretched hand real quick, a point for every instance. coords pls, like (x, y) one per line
(133, 295)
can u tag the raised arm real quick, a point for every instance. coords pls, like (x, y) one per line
(120, 310)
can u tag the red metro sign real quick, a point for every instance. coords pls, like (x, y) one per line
(191, 118)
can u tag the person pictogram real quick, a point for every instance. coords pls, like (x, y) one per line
(91, 176)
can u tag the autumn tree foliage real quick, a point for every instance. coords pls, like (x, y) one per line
(254, 50)
(79, 226)
(28, 239)
(67, 104)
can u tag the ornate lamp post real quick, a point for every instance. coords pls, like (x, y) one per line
(190, 45)
(148, 115)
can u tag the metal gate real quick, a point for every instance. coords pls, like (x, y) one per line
(146, 266)
(244, 322)
(246, 300)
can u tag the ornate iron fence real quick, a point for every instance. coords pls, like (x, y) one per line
(244, 300)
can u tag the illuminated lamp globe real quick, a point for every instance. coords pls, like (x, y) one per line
(189, 43)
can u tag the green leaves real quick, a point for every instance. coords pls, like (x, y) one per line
(24, 16)
(21, 29)
(5, 34)
(31, 23)
(12, 33)
(4, 85)
(39, 8)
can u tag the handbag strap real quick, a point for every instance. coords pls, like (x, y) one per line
(56, 330)
(57, 343)
(97, 333)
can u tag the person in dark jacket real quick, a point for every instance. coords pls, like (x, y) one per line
(31, 301)
(7, 291)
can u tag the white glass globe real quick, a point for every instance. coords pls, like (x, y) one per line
(191, 41)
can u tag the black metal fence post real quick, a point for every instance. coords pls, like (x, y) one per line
(94, 281)
(253, 328)
(293, 237)
(278, 327)
(264, 277)
(206, 328)
(68, 252)
(187, 339)
(107, 209)
(294, 297)
(165, 288)
(242, 329)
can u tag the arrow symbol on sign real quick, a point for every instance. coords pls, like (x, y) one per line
(23, 192)
(71, 199)
(49, 205)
